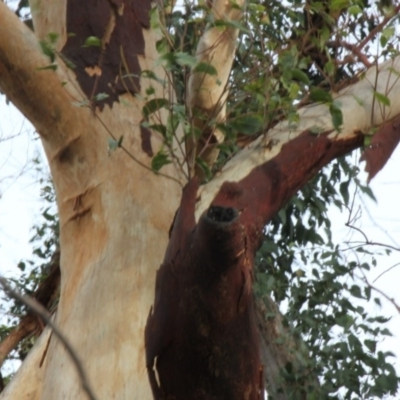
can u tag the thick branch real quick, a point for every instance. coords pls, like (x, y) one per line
(207, 92)
(282, 352)
(362, 113)
(30, 324)
(26, 327)
(37, 92)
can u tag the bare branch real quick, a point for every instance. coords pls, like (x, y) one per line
(39, 310)
(384, 272)
(382, 293)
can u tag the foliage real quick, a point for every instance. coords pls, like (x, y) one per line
(290, 54)
(317, 282)
(34, 271)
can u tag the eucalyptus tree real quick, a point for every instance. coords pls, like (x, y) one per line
(174, 135)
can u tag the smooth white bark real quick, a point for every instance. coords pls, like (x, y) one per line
(206, 92)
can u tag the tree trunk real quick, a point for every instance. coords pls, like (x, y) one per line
(115, 213)
(114, 216)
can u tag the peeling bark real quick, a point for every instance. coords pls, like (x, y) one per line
(111, 68)
(382, 145)
(26, 327)
(201, 337)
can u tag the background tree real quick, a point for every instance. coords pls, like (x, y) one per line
(131, 114)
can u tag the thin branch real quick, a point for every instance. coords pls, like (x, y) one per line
(357, 51)
(382, 293)
(370, 243)
(133, 157)
(379, 27)
(40, 311)
(384, 272)
(26, 327)
(348, 224)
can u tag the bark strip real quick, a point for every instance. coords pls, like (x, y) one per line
(201, 337)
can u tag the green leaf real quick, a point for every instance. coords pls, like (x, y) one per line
(356, 291)
(47, 50)
(205, 68)
(382, 98)
(344, 191)
(53, 37)
(247, 124)
(320, 95)
(159, 160)
(205, 168)
(101, 96)
(337, 5)
(367, 140)
(371, 344)
(368, 191)
(232, 24)
(185, 59)
(113, 144)
(154, 105)
(92, 41)
(354, 10)
(300, 76)
(337, 116)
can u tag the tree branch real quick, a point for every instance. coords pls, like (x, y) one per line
(26, 327)
(27, 84)
(39, 310)
(207, 92)
(381, 292)
(361, 113)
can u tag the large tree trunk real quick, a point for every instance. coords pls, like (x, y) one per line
(114, 217)
(115, 213)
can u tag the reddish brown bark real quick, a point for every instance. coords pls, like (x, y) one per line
(381, 148)
(119, 25)
(201, 336)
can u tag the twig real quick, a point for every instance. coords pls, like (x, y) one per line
(378, 28)
(357, 51)
(125, 150)
(40, 311)
(367, 242)
(384, 272)
(381, 292)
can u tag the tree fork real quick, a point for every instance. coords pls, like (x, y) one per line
(201, 337)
